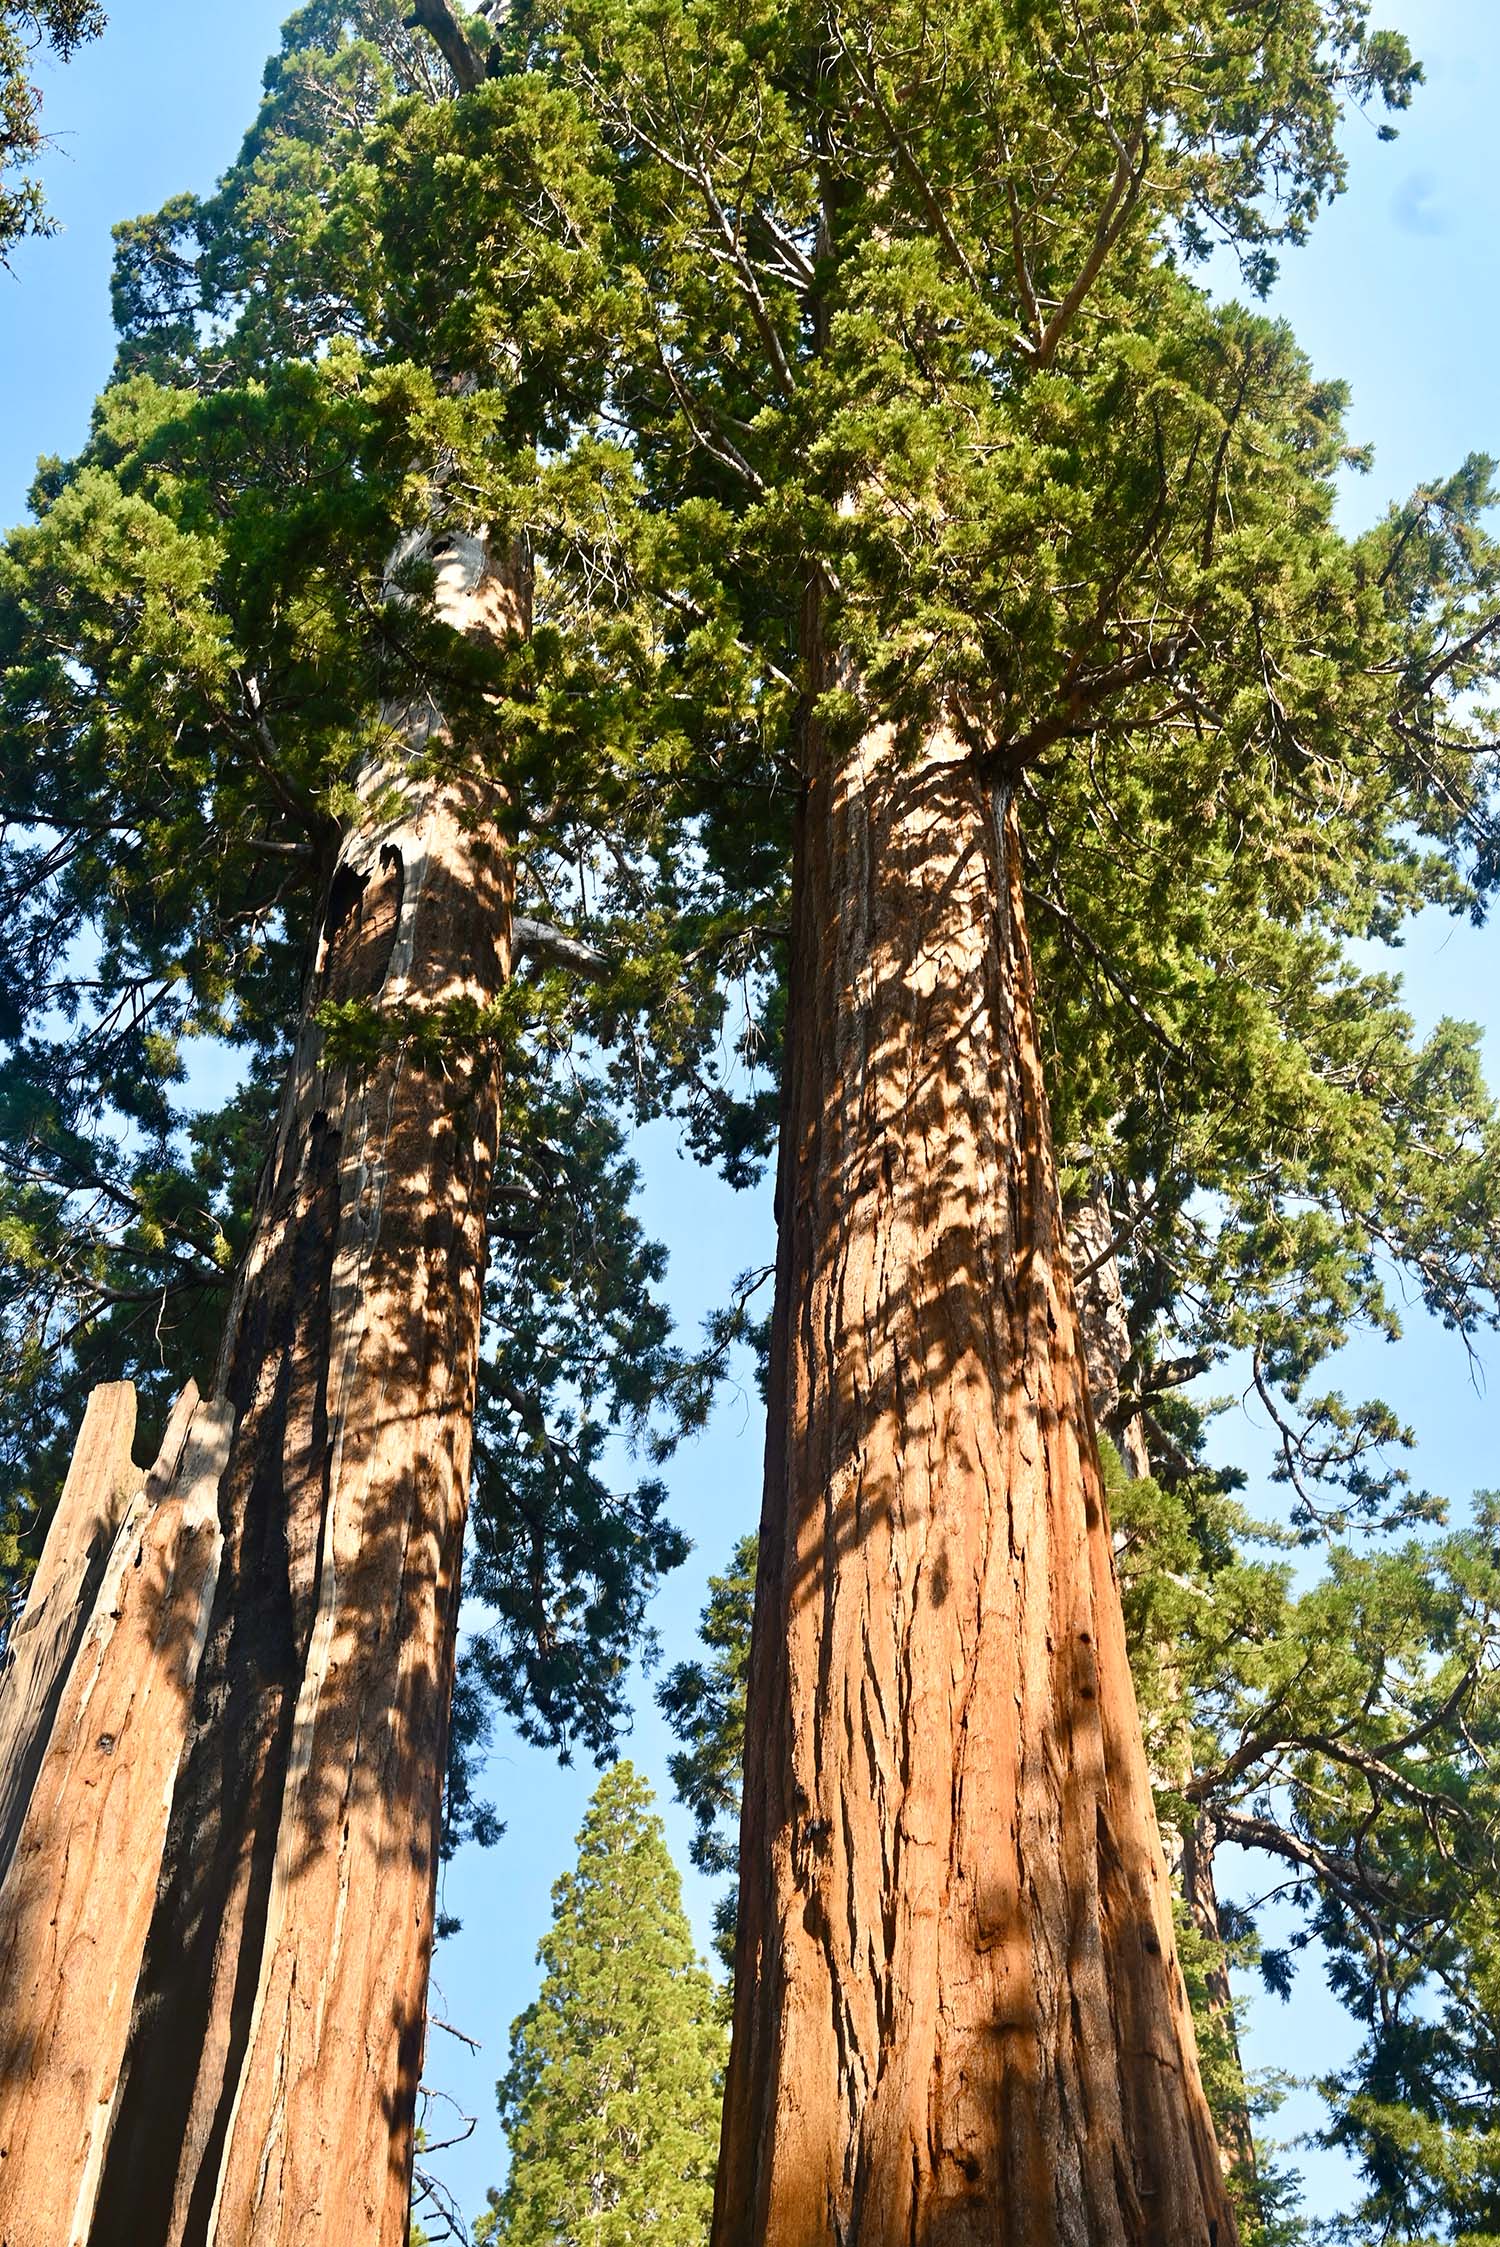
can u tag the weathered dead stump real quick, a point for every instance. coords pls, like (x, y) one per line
(94, 1705)
(101, 1483)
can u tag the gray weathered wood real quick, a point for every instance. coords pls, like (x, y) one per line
(77, 1898)
(101, 1482)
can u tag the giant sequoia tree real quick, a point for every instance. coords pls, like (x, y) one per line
(1345, 1738)
(700, 424)
(1057, 538)
(267, 649)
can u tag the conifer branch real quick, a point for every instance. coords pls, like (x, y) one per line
(1080, 935)
(1073, 718)
(436, 17)
(1354, 1883)
(703, 431)
(540, 940)
(906, 157)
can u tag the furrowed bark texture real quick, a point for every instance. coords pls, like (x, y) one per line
(72, 1919)
(959, 2016)
(1189, 1854)
(277, 2045)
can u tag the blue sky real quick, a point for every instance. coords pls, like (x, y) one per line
(1397, 293)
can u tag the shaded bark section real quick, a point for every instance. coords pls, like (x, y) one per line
(73, 1920)
(1189, 1853)
(270, 2086)
(959, 2016)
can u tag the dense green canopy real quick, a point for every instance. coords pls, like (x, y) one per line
(1102, 538)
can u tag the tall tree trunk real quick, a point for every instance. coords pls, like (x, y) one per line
(959, 2016)
(1189, 1853)
(270, 2085)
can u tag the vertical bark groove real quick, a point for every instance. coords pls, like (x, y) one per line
(959, 2017)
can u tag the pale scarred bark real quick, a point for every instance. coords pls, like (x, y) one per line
(100, 1484)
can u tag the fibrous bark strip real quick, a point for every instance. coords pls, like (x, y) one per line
(100, 1484)
(959, 2016)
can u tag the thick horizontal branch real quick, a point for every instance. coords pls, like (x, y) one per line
(1074, 715)
(1173, 1373)
(1377, 1767)
(553, 947)
(437, 18)
(1351, 1881)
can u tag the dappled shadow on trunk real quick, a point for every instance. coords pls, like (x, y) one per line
(959, 2018)
(277, 2027)
(276, 1993)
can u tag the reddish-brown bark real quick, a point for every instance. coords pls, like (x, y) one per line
(959, 2016)
(1189, 1852)
(270, 2085)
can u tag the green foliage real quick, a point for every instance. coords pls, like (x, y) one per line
(193, 652)
(198, 646)
(577, 1356)
(704, 1703)
(61, 27)
(674, 424)
(1263, 2193)
(611, 2100)
(897, 311)
(1348, 1735)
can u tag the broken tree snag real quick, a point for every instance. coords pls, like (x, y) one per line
(77, 1899)
(959, 2019)
(270, 2086)
(1104, 1324)
(1201, 1895)
(100, 1484)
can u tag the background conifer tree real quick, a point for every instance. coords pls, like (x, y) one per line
(611, 2100)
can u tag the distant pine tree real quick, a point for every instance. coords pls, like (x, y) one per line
(611, 2100)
